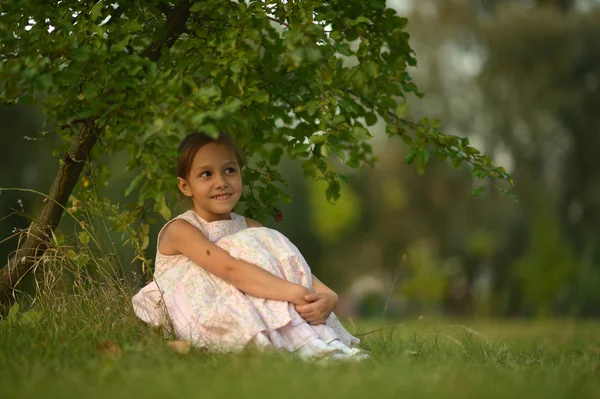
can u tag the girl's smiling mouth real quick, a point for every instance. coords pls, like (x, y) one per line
(222, 197)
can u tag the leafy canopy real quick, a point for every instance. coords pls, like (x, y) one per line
(304, 78)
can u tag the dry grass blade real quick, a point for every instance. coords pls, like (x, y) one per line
(378, 330)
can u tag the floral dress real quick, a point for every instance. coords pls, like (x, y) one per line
(198, 306)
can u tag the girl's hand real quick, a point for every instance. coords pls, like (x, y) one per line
(300, 294)
(320, 306)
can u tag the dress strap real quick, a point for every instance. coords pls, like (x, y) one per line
(195, 220)
(240, 220)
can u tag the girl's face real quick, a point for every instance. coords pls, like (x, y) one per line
(214, 182)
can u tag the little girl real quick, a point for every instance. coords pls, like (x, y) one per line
(223, 281)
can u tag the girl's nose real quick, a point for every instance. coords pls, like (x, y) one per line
(220, 181)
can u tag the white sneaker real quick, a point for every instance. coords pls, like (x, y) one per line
(317, 350)
(352, 354)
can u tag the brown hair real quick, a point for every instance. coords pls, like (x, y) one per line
(193, 142)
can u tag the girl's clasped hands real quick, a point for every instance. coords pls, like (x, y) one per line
(318, 307)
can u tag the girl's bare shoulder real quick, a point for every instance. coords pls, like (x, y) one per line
(252, 223)
(176, 232)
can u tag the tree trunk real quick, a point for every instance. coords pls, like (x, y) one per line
(40, 230)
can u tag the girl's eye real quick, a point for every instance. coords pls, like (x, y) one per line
(230, 170)
(205, 174)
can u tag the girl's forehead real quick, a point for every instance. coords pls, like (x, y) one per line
(213, 153)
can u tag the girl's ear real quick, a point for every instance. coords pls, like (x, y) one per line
(184, 187)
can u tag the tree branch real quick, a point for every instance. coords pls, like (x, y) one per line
(176, 19)
(279, 22)
(164, 8)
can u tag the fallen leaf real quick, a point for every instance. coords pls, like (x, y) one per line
(181, 347)
(108, 348)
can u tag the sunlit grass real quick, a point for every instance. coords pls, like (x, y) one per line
(62, 355)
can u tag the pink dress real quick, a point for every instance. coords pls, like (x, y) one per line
(198, 306)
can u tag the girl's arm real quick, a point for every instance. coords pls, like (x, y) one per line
(181, 237)
(320, 287)
(322, 303)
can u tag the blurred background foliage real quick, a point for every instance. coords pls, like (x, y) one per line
(520, 79)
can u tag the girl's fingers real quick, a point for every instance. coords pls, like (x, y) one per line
(314, 296)
(305, 308)
(312, 318)
(308, 308)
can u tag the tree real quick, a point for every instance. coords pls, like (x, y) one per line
(301, 78)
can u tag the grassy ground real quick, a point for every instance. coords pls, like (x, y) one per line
(59, 356)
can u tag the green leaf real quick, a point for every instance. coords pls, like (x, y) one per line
(285, 198)
(456, 162)
(370, 119)
(360, 132)
(95, 12)
(209, 129)
(410, 157)
(313, 54)
(209, 91)
(120, 45)
(318, 138)
(161, 207)
(344, 49)
(339, 118)
(333, 191)
(312, 107)
(511, 195)
(260, 96)
(84, 238)
(372, 68)
(134, 183)
(402, 110)
(144, 240)
(196, 6)
(335, 35)
(361, 20)
(71, 254)
(275, 155)
(300, 149)
(478, 192)
(424, 157)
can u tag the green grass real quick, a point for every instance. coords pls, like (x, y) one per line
(57, 356)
